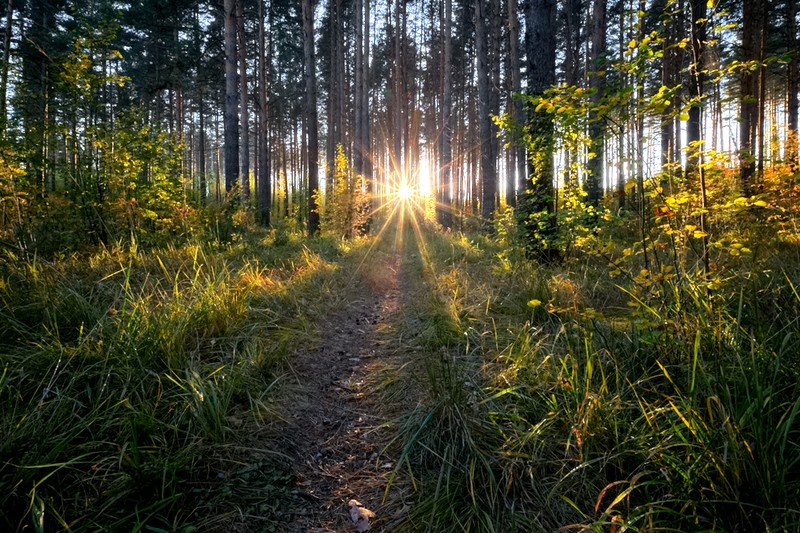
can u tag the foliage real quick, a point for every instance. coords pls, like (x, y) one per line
(345, 210)
(597, 399)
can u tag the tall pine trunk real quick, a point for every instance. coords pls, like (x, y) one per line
(446, 150)
(753, 11)
(518, 159)
(231, 117)
(311, 116)
(537, 213)
(694, 134)
(264, 162)
(487, 162)
(244, 145)
(594, 179)
(6, 65)
(793, 80)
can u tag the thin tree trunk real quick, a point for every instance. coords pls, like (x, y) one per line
(446, 150)
(762, 95)
(201, 160)
(540, 45)
(749, 93)
(6, 65)
(696, 81)
(244, 100)
(398, 91)
(487, 165)
(594, 179)
(793, 81)
(365, 110)
(516, 87)
(231, 119)
(358, 100)
(311, 116)
(669, 74)
(495, 29)
(264, 185)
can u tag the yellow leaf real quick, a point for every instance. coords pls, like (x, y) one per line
(760, 203)
(700, 234)
(534, 303)
(690, 227)
(632, 44)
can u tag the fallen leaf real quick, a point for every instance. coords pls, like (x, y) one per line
(360, 515)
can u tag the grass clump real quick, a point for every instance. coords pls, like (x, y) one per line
(572, 399)
(126, 378)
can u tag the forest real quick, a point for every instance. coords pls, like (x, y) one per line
(399, 265)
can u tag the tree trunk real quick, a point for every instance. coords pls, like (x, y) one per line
(694, 133)
(793, 80)
(495, 34)
(753, 11)
(399, 123)
(264, 163)
(537, 217)
(311, 116)
(358, 100)
(231, 118)
(334, 89)
(6, 65)
(670, 68)
(514, 174)
(244, 101)
(594, 167)
(201, 160)
(487, 166)
(446, 150)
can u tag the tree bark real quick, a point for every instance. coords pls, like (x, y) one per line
(445, 149)
(231, 117)
(753, 11)
(536, 215)
(311, 116)
(487, 165)
(264, 162)
(6, 65)
(514, 174)
(594, 180)
(670, 68)
(694, 133)
(244, 101)
(793, 80)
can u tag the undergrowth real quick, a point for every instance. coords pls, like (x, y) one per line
(131, 380)
(562, 398)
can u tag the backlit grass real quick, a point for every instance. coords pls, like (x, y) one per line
(130, 382)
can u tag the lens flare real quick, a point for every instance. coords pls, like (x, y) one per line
(405, 192)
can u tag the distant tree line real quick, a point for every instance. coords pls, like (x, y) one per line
(132, 115)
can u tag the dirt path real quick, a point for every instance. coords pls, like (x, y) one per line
(336, 437)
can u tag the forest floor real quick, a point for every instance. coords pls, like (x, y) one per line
(335, 428)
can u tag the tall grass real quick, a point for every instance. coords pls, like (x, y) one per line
(567, 399)
(124, 376)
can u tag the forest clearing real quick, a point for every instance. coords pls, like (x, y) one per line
(403, 265)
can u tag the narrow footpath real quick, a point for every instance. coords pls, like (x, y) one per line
(336, 435)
